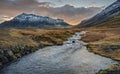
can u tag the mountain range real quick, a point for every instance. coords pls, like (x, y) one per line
(34, 21)
(110, 16)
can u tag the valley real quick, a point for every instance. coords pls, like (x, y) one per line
(15, 43)
(34, 43)
(25, 41)
(69, 58)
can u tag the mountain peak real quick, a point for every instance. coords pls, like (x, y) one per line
(107, 13)
(24, 14)
(32, 20)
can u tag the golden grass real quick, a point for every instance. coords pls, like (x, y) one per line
(105, 42)
(12, 37)
(33, 37)
(15, 43)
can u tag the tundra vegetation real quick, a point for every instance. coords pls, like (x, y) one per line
(105, 42)
(15, 43)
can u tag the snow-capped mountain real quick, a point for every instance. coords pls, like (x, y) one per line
(107, 13)
(34, 21)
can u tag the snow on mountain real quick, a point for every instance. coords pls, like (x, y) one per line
(110, 9)
(33, 18)
(109, 12)
(30, 20)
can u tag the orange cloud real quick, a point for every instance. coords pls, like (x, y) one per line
(5, 19)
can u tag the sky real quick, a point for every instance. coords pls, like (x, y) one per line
(71, 11)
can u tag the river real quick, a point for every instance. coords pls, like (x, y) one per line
(70, 58)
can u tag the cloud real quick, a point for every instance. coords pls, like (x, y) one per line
(45, 4)
(67, 12)
(5, 18)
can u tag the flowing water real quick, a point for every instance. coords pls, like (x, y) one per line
(70, 58)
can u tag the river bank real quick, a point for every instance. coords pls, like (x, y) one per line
(104, 42)
(15, 43)
(70, 58)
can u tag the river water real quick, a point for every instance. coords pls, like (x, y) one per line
(70, 58)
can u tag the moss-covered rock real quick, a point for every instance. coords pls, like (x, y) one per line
(102, 72)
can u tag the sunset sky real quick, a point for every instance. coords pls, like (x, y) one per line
(72, 11)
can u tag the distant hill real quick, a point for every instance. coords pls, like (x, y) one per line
(34, 21)
(110, 17)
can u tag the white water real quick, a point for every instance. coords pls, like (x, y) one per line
(70, 58)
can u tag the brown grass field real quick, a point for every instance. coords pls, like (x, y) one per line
(33, 37)
(14, 43)
(105, 42)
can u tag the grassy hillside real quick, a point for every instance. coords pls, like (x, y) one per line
(14, 43)
(112, 22)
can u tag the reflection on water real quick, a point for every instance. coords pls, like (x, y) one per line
(70, 58)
